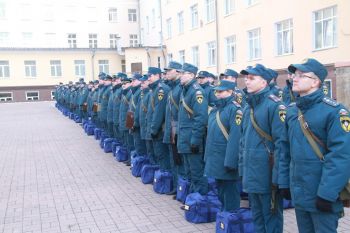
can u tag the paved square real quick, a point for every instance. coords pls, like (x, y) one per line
(54, 178)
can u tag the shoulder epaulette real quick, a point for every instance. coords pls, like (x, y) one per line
(236, 104)
(292, 104)
(274, 98)
(330, 101)
(196, 86)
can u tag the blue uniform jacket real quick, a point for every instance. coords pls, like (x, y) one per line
(116, 104)
(256, 168)
(221, 154)
(143, 112)
(209, 93)
(192, 126)
(110, 105)
(172, 109)
(135, 104)
(157, 102)
(302, 170)
(288, 95)
(104, 102)
(276, 90)
(124, 107)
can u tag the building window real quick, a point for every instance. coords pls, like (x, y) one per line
(284, 37)
(103, 66)
(72, 40)
(32, 95)
(27, 38)
(4, 69)
(325, 28)
(92, 41)
(211, 53)
(182, 56)
(153, 18)
(30, 68)
(132, 15)
(123, 66)
(168, 26)
(147, 24)
(56, 69)
(2, 10)
(142, 36)
(133, 40)
(210, 10)
(195, 55)
(52, 95)
(327, 88)
(251, 2)
(194, 16)
(6, 96)
(4, 38)
(230, 51)
(229, 6)
(112, 15)
(113, 40)
(254, 44)
(79, 67)
(169, 57)
(180, 19)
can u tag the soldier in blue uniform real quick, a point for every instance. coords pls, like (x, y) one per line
(192, 122)
(82, 100)
(263, 142)
(231, 76)
(104, 98)
(157, 103)
(171, 121)
(315, 175)
(203, 81)
(90, 97)
(140, 145)
(222, 145)
(275, 89)
(144, 117)
(116, 104)
(110, 106)
(128, 140)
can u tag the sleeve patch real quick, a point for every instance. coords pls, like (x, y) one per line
(274, 98)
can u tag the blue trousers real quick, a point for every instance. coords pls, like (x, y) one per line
(150, 152)
(176, 169)
(316, 222)
(140, 145)
(264, 220)
(194, 169)
(229, 194)
(161, 152)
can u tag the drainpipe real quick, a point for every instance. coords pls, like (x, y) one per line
(93, 64)
(161, 32)
(217, 37)
(139, 19)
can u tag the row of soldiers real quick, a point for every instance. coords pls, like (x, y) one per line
(290, 143)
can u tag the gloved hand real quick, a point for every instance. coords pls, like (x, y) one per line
(194, 149)
(229, 169)
(323, 205)
(285, 193)
(153, 135)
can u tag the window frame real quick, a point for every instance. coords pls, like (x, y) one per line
(192, 8)
(290, 29)
(81, 68)
(56, 69)
(112, 15)
(259, 44)
(5, 68)
(5, 99)
(195, 55)
(227, 48)
(32, 98)
(31, 68)
(334, 19)
(105, 67)
(211, 61)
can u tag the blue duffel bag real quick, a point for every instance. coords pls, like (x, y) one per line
(103, 136)
(77, 119)
(115, 147)
(202, 208)
(147, 173)
(287, 204)
(121, 154)
(71, 115)
(183, 189)
(107, 145)
(90, 129)
(137, 164)
(239, 221)
(162, 182)
(97, 133)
